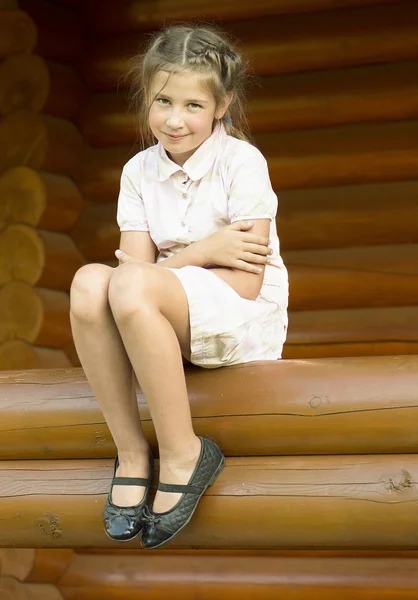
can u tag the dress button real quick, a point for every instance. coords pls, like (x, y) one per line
(184, 196)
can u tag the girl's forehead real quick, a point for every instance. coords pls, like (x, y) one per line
(179, 84)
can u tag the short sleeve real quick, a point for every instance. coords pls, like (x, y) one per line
(250, 193)
(131, 211)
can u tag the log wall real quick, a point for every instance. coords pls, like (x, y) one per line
(40, 151)
(336, 115)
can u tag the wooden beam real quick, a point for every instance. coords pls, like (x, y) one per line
(286, 44)
(283, 102)
(60, 503)
(17, 32)
(266, 408)
(142, 15)
(352, 332)
(17, 354)
(92, 577)
(43, 200)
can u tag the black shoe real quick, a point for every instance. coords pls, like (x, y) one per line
(124, 523)
(159, 528)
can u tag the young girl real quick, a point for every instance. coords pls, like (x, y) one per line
(216, 295)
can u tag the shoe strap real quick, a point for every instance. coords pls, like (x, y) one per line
(130, 481)
(180, 489)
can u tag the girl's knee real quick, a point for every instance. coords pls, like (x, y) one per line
(132, 286)
(89, 290)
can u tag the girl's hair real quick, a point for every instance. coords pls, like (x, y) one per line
(202, 49)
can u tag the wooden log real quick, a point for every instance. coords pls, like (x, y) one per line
(98, 176)
(17, 32)
(353, 277)
(23, 83)
(346, 155)
(286, 44)
(352, 332)
(60, 32)
(14, 590)
(333, 217)
(39, 199)
(96, 233)
(265, 408)
(41, 142)
(45, 258)
(66, 91)
(36, 315)
(62, 505)
(16, 354)
(292, 101)
(140, 15)
(93, 577)
(28, 81)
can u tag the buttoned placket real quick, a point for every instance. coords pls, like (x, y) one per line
(184, 184)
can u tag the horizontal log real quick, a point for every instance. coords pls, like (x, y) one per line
(66, 91)
(292, 101)
(17, 354)
(35, 315)
(91, 577)
(353, 277)
(62, 505)
(23, 83)
(299, 406)
(317, 218)
(17, 32)
(41, 142)
(12, 589)
(352, 332)
(60, 32)
(45, 258)
(28, 81)
(332, 217)
(346, 155)
(286, 44)
(140, 15)
(40, 199)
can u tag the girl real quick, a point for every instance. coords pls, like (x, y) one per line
(217, 294)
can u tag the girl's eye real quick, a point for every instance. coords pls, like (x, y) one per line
(193, 105)
(162, 100)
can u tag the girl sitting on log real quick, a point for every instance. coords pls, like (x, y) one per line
(200, 199)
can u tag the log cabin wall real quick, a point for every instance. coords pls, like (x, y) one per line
(335, 114)
(40, 149)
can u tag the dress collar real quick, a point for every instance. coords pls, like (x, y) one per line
(199, 163)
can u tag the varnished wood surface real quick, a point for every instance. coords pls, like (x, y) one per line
(286, 44)
(280, 102)
(140, 15)
(301, 502)
(265, 408)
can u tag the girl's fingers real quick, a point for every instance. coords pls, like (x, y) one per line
(248, 267)
(258, 259)
(257, 249)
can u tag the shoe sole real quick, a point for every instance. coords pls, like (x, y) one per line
(212, 481)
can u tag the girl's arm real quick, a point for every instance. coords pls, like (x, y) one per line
(138, 245)
(247, 285)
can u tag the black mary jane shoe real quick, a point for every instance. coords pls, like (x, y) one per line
(159, 528)
(124, 523)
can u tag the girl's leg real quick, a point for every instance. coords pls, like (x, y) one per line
(149, 304)
(109, 372)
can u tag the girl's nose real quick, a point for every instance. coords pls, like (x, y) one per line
(174, 120)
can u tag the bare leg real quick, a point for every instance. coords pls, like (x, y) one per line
(109, 372)
(149, 304)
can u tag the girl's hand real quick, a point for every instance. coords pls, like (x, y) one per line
(123, 257)
(233, 247)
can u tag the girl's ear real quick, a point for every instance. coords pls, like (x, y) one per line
(223, 106)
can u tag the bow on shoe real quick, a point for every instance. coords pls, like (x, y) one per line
(149, 516)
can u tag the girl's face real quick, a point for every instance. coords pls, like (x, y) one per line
(182, 113)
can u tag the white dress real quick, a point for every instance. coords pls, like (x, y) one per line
(224, 181)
